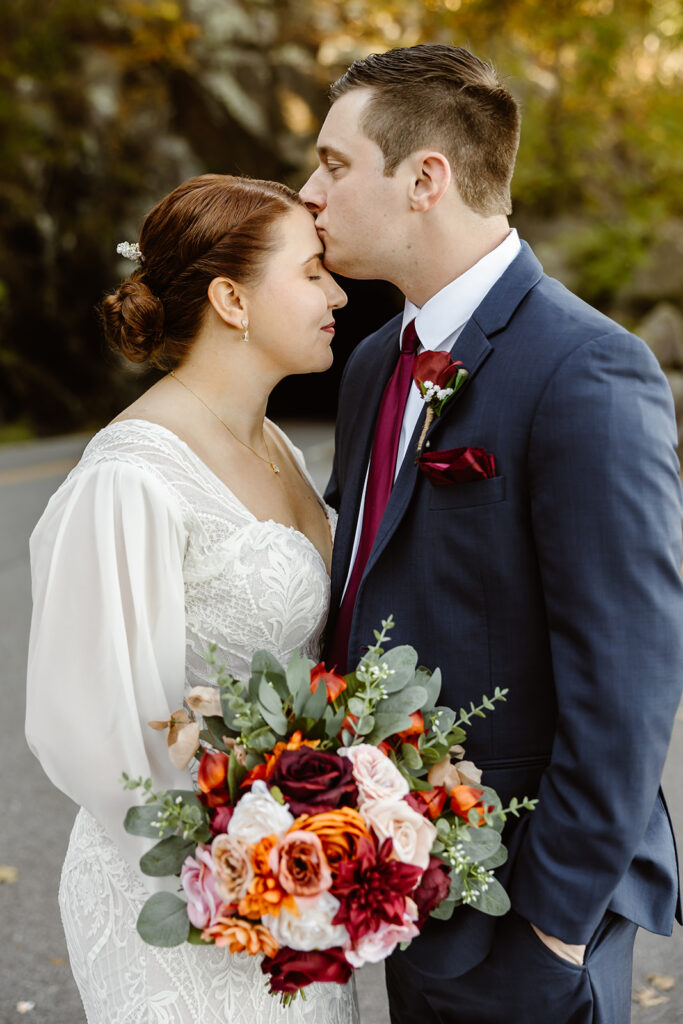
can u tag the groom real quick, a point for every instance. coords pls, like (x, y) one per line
(535, 545)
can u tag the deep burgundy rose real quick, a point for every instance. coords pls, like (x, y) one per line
(221, 819)
(292, 969)
(372, 889)
(313, 781)
(433, 888)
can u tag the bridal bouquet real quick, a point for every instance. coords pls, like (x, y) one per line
(332, 816)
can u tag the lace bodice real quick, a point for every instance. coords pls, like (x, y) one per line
(249, 584)
(143, 558)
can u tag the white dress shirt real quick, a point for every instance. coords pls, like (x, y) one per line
(439, 324)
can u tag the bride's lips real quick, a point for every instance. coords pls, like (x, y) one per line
(328, 327)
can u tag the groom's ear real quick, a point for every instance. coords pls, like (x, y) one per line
(430, 178)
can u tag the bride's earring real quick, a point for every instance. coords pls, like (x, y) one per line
(245, 332)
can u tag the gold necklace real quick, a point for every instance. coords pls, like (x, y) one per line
(269, 461)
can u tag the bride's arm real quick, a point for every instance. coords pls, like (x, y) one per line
(107, 646)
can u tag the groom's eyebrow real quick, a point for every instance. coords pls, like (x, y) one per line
(329, 151)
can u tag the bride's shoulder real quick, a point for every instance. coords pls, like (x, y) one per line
(136, 441)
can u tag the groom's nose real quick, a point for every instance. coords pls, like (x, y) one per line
(313, 195)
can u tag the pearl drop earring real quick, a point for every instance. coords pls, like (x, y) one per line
(245, 332)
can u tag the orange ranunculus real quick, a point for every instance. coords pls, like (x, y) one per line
(266, 896)
(257, 772)
(339, 832)
(464, 798)
(416, 726)
(349, 724)
(295, 742)
(385, 747)
(260, 854)
(335, 684)
(433, 799)
(212, 779)
(241, 936)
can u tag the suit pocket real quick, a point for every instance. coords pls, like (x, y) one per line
(469, 495)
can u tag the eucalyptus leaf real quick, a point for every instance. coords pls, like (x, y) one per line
(139, 821)
(386, 724)
(404, 702)
(262, 740)
(236, 772)
(333, 720)
(411, 756)
(270, 707)
(365, 725)
(402, 662)
(495, 901)
(316, 702)
(432, 684)
(167, 857)
(266, 665)
(495, 861)
(356, 706)
(163, 920)
(216, 729)
(481, 843)
(299, 681)
(444, 911)
(195, 937)
(443, 718)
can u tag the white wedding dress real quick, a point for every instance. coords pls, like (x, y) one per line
(143, 558)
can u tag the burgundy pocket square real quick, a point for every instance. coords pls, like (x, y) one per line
(457, 465)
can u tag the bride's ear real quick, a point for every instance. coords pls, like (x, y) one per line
(228, 302)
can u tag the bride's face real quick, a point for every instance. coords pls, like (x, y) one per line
(290, 309)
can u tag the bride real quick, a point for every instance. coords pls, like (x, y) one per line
(189, 520)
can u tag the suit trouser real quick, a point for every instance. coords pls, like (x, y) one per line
(522, 982)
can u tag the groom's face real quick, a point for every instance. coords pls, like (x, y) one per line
(358, 209)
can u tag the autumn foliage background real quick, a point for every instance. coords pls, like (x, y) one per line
(107, 104)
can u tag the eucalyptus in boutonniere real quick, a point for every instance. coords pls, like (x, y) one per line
(438, 378)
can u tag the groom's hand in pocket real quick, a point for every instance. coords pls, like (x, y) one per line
(574, 954)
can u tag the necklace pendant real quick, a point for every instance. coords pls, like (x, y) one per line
(275, 469)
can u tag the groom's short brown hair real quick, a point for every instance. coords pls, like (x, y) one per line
(441, 97)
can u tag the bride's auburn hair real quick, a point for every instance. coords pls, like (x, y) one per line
(215, 225)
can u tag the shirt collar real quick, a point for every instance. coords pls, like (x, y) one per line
(452, 307)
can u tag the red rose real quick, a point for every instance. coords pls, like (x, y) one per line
(313, 781)
(292, 969)
(433, 888)
(438, 367)
(335, 684)
(221, 819)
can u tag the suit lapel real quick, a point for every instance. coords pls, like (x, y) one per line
(377, 370)
(472, 348)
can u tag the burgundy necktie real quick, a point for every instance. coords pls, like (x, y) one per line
(380, 482)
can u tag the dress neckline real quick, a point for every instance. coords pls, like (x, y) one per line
(221, 483)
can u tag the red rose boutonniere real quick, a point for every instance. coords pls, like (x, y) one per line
(437, 378)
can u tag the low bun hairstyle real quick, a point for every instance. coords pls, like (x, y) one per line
(215, 225)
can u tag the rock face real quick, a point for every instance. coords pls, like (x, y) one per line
(662, 329)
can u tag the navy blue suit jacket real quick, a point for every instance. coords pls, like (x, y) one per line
(558, 578)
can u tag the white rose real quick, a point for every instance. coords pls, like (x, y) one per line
(257, 815)
(377, 777)
(374, 947)
(313, 928)
(412, 834)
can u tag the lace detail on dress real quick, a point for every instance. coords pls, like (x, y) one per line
(248, 585)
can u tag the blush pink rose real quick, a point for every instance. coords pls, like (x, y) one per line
(412, 835)
(301, 865)
(204, 905)
(376, 946)
(377, 777)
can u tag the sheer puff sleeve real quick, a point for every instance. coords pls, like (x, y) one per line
(107, 644)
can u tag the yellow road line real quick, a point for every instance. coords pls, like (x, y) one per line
(40, 472)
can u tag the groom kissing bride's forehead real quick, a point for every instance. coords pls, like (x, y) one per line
(524, 527)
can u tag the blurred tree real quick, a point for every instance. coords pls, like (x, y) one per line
(106, 104)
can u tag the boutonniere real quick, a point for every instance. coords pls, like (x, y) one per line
(438, 379)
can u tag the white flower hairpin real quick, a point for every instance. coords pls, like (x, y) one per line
(130, 251)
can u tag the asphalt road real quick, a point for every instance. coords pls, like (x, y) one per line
(35, 981)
